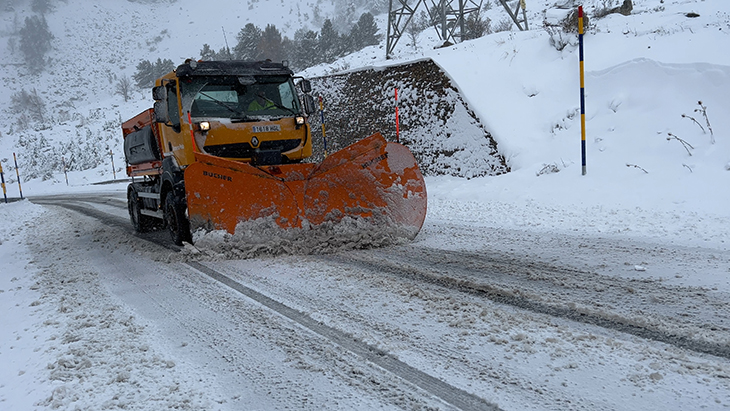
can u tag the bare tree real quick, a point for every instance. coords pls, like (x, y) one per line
(124, 88)
(29, 102)
(476, 27)
(414, 33)
(414, 30)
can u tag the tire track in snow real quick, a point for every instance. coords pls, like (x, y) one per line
(426, 271)
(433, 272)
(159, 237)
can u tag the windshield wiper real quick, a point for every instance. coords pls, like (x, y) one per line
(220, 103)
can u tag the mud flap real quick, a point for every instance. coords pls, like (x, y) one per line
(372, 179)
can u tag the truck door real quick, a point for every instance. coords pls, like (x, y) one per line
(176, 141)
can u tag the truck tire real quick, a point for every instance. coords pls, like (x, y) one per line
(140, 222)
(177, 223)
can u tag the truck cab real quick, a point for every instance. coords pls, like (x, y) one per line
(242, 111)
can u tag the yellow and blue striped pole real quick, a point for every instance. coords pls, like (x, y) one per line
(582, 92)
(321, 116)
(17, 173)
(2, 178)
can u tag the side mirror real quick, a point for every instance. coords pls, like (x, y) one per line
(306, 86)
(159, 93)
(309, 106)
(161, 114)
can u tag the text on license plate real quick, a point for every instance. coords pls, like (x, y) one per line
(266, 129)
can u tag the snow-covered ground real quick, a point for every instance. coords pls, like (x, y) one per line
(93, 319)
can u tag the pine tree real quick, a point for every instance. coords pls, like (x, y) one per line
(248, 40)
(145, 75)
(364, 33)
(162, 67)
(35, 42)
(207, 53)
(224, 54)
(305, 53)
(329, 42)
(270, 45)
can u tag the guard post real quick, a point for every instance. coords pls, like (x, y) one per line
(65, 171)
(2, 178)
(582, 92)
(114, 172)
(17, 174)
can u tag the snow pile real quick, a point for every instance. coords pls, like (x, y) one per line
(264, 237)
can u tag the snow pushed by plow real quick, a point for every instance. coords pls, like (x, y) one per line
(264, 237)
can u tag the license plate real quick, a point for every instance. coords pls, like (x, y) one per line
(266, 129)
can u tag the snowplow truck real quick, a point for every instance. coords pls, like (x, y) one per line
(226, 143)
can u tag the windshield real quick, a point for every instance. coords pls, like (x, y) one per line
(226, 97)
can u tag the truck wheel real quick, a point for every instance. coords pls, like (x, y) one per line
(176, 221)
(140, 222)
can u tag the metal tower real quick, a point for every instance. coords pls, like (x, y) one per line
(449, 18)
(515, 15)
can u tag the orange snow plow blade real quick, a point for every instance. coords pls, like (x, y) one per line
(373, 180)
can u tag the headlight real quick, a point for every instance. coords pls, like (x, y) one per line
(204, 126)
(300, 120)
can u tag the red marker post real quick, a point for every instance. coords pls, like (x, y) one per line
(582, 91)
(192, 132)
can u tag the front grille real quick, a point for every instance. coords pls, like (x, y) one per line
(244, 150)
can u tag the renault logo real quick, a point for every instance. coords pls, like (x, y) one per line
(255, 141)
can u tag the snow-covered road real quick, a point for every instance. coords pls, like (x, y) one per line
(500, 318)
